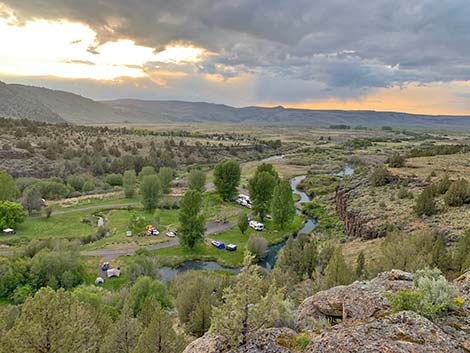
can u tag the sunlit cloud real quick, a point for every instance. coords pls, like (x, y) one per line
(69, 50)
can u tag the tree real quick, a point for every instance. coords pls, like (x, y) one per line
(192, 221)
(114, 179)
(261, 188)
(147, 170)
(269, 168)
(243, 222)
(283, 208)
(337, 272)
(440, 255)
(159, 336)
(150, 190)
(257, 246)
(123, 335)
(11, 214)
(148, 288)
(197, 180)
(248, 306)
(166, 177)
(128, 183)
(227, 178)
(361, 272)
(8, 188)
(53, 322)
(425, 203)
(200, 317)
(462, 253)
(380, 176)
(32, 200)
(137, 223)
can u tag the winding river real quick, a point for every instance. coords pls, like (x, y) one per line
(167, 273)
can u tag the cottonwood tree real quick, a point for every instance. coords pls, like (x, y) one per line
(32, 200)
(243, 222)
(261, 188)
(166, 177)
(227, 178)
(128, 183)
(248, 306)
(150, 191)
(197, 180)
(8, 188)
(192, 220)
(282, 206)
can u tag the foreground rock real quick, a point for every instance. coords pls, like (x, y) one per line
(358, 301)
(402, 332)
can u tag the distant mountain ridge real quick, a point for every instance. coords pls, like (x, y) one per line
(43, 104)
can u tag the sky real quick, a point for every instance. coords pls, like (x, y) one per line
(392, 55)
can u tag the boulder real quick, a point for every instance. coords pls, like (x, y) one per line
(358, 301)
(404, 332)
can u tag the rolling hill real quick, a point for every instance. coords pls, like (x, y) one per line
(37, 103)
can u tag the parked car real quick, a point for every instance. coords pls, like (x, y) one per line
(231, 247)
(218, 244)
(258, 226)
(9, 231)
(171, 234)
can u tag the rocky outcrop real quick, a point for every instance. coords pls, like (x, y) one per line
(398, 333)
(358, 301)
(354, 224)
(264, 341)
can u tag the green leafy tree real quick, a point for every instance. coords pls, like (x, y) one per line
(137, 223)
(148, 288)
(192, 220)
(197, 180)
(166, 177)
(248, 306)
(150, 191)
(128, 183)
(11, 214)
(337, 272)
(261, 188)
(8, 188)
(32, 200)
(159, 336)
(227, 178)
(53, 322)
(283, 208)
(146, 171)
(361, 271)
(243, 222)
(425, 203)
(123, 335)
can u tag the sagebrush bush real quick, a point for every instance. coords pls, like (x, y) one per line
(380, 176)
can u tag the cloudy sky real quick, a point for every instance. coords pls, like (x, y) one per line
(399, 55)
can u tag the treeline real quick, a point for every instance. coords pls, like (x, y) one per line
(435, 150)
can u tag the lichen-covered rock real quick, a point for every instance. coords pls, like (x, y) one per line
(405, 332)
(358, 301)
(262, 341)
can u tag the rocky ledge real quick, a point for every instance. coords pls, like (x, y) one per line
(365, 324)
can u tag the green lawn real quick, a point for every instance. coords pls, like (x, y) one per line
(206, 251)
(98, 201)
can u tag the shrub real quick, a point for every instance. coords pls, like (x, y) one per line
(88, 186)
(114, 179)
(443, 185)
(458, 193)
(396, 161)
(380, 176)
(432, 297)
(404, 193)
(257, 246)
(425, 203)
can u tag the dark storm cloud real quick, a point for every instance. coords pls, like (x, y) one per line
(351, 46)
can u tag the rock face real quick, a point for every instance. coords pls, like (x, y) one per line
(354, 224)
(263, 341)
(398, 333)
(358, 301)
